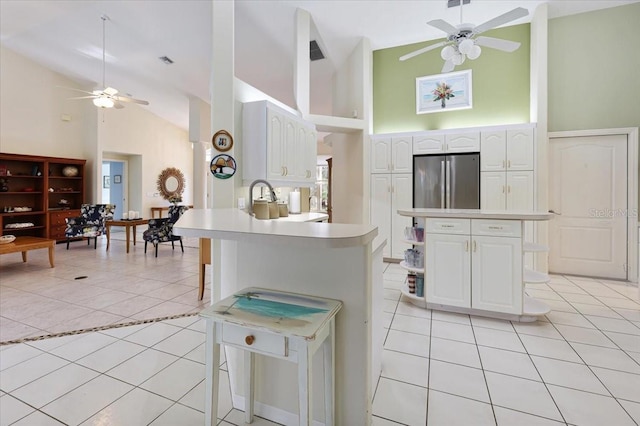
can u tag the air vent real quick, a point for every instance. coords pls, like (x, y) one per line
(167, 60)
(456, 3)
(315, 53)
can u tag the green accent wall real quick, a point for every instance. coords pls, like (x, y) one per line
(500, 86)
(594, 69)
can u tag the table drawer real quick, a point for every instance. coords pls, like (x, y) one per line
(262, 341)
(448, 226)
(497, 228)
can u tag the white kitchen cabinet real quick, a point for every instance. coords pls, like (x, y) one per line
(520, 191)
(493, 191)
(496, 273)
(462, 142)
(507, 150)
(479, 270)
(428, 144)
(277, 146)
(506, 190)
(392, 155)
(388, 194)
(448, 270)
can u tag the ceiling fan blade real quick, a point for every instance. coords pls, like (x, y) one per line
(498, 43)
(516, 13)
(421, 51)
(448, 66)
(121, 98)
(444, 26)
(118, 105)
(83, 97)
(77, 90)
(110, 91)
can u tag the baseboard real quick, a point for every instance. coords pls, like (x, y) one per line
(270, 413)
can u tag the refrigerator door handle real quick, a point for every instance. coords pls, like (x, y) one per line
(442, 180)
(448, 179)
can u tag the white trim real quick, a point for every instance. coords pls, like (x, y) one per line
(493, 128)
(632, 186)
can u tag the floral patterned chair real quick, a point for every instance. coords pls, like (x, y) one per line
(90, 223)
(161, 230)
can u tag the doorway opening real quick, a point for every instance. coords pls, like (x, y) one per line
(114, 186)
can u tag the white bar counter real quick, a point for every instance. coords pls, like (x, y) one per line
(327, 260)
(473, 262)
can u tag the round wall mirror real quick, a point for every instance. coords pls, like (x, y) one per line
(171, 184)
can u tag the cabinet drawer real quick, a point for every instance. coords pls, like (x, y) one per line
(263, 341)
(58, 218)
(497, 228)
(448, 226)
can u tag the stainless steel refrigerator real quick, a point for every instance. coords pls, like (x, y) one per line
(446, 181)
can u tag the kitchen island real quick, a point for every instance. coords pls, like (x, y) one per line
(473, 262)
(333, 261)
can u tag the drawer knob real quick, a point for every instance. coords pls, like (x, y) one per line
(249, 340)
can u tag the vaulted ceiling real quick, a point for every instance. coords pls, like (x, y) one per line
(66, 36)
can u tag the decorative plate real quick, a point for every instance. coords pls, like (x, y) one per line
(223, 166)
(222, 141)
(6, 239)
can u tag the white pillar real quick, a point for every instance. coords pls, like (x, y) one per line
(199, 136)
(301, 62)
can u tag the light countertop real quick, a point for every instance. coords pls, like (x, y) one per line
(237, 225)
(476, 214)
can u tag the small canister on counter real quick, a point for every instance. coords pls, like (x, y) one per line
(411, 283)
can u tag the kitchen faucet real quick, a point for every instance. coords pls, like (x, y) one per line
(273, 193)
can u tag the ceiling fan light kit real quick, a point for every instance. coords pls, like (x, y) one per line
(103, 102)
(463, 41)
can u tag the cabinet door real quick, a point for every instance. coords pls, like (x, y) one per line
(497, 274)
(430, 144)
(311, 153)
(401, 198)
(381, 208)
(520, 191)
(493, 190)
(462, 142)
(448, 270)
(301, 163)
(289, 148)
(493, 151)
(275, 141)
(520, 149)
(381, 155)
(401, 155)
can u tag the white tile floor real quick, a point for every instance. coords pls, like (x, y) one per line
(579, 366)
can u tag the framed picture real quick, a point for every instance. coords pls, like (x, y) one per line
(106, 181)
(444, 92)
(117, 178)
(222, 141)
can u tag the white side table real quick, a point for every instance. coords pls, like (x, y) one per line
(284, 325)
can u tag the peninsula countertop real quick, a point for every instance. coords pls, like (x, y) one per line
(476, 214)
(237, 225)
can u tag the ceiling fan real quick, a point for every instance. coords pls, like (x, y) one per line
(463, 41)
(108, 96)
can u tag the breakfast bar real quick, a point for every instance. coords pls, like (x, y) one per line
(333, 261)
(473, 262)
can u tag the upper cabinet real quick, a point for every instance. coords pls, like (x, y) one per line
(392, 155)
(507, 150)
(438, 143)
(278, 146)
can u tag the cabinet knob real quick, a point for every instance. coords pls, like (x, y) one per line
(249, 340)
(509, 164)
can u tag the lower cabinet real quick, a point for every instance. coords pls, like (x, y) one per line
(390, 192)
(474, 271)
(58, 223)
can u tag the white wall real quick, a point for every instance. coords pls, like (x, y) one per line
(31, 110)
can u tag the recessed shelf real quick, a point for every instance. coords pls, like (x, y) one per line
(415, 243)
(21, 213)
(535, 307)
(20, 192)
(404, 265)
(533, 247)
(535, 277)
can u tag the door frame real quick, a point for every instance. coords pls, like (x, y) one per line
(632, 186)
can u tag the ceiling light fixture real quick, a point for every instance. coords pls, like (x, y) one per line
(103, 102)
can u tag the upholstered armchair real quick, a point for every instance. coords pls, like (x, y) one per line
(90, 223)
(161, 230)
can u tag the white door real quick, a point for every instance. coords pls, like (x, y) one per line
(520, 191)
(520, 149)
(401, 157)
(493, 151)
(430, 144)
(448, 270)
(462, 142)
(381, 155)
(301, 163)
(289, 148)
(275, 141)
(381, 208)
(401, 198)
(588, 188)
(496, 268)
(311, 153)
(493, 190)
